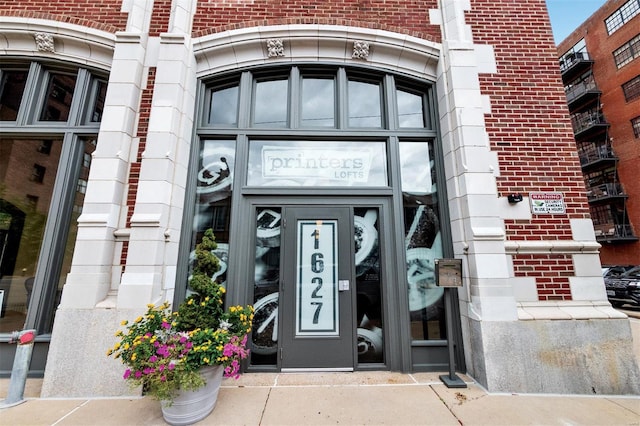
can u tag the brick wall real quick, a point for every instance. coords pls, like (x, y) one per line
(103, 15)
(402, 16)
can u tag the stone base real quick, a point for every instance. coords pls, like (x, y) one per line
(593, 357)
(77, 363)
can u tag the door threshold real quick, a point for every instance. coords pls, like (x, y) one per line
(316, 370)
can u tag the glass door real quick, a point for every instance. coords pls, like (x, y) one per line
(317, 322)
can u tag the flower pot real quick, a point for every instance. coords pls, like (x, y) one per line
(189, 407)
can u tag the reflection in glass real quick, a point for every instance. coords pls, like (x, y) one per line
(423, 243)
(318, 102)
(215, 171)
(417, 168)
(24, 207)
(276, 164)
(270, 108)
(58, 99)
(224, 106)
(368, 285)
(12, 85)
(264, 343)
(364, 104)
(89, 146)
(410, 110)
(213, 200)
(98, 105)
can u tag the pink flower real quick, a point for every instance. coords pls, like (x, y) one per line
(127, 373)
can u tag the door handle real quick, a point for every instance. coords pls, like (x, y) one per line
(343, 285)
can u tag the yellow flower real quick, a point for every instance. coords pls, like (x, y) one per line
(124, 322)
(150, 305)
(222, 290)
(206, 360)
(190, 302)
(138, 319)
(117, 346)
(134, 356)
(206, 298)
(126, 346)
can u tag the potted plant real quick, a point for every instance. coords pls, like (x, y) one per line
(178, 356)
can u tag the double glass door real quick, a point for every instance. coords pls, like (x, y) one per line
(317, 288)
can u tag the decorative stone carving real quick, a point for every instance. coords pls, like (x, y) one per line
(360, 50)
(275, 47)
(44, 42)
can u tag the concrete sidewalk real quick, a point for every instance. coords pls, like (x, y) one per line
(361, 398)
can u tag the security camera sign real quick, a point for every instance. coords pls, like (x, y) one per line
(547, 203)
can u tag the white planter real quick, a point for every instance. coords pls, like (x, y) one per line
(192, 406)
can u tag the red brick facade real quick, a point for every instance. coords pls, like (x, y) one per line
(528, 125)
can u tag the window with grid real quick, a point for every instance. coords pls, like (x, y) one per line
(635, 123)
(621, 16)
(631, 89)
(627, 52)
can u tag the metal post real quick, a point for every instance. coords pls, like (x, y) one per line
(21, 362)
(451, 380)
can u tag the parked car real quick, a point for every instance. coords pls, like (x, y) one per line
(624, 288)
(614, 271)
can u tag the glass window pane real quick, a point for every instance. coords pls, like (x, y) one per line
(368, 285)
(280, 163)
(364, 104)
(24, 207)
(11, 91)
(264, 339)
(214, 182)
(416, 168)
(58, 98)
(410, 111)
(224, 106)
(271, 103)
(318, 102)
(98, 104)
(423, 242)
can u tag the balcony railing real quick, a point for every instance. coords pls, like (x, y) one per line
(592, 152)
(571, 59)
(580, 89)
(611, 231)
(604, 191)
(583, 121)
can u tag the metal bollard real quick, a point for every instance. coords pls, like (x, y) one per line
(21, 362)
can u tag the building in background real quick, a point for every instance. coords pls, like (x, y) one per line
(600, 66)
(395, 132)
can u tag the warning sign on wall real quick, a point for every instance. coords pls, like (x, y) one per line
(547, 203)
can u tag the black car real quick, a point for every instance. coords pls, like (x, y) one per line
(624, 288)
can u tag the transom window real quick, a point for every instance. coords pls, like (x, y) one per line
(301, 98)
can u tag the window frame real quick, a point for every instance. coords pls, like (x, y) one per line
(73, 133)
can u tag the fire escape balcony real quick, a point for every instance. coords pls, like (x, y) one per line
(587, 124)
(614, 233)
(605, 192)
(581, 94)
(574, 64)
(597, 156)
